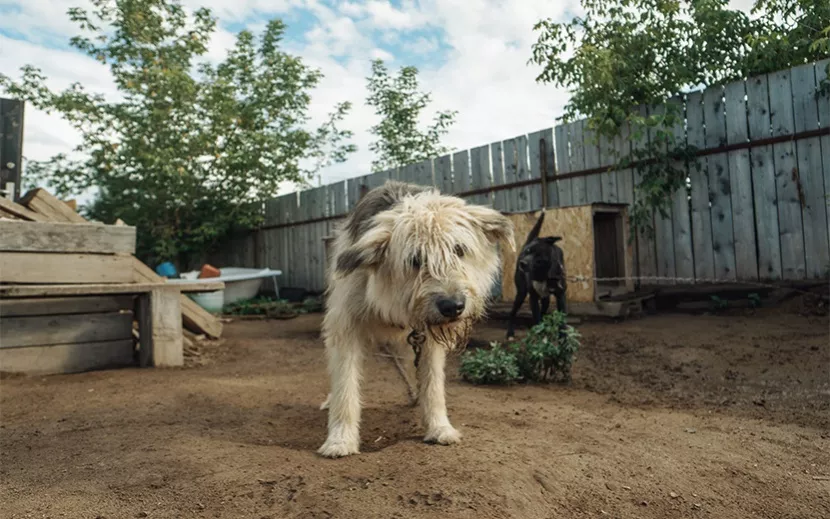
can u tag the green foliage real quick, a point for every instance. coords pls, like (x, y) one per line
(548, 350)
(623, 54)
(189, 149)
(493, 366)
(260, 306)
(754, 300)
(399, 104)
(270, 307)
(719, 303)
(546, 354)
(312, 305)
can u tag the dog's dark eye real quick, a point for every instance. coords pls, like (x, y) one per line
(416, 261)
(459, 251)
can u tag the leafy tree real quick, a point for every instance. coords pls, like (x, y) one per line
(398, 102)
(627, 53)
(190, 148)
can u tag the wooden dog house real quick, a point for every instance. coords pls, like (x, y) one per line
(595, 242)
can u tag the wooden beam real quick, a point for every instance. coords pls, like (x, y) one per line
(67, 358)
(46, 268)
(17, 332)
(63, 305)
(194, 317)
(20, 236)
(160, 329)
(20, 211)
(44, 203)
(9, 291)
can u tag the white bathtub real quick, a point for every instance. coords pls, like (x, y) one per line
(240, 284)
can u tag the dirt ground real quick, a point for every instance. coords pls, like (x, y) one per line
(667, 416)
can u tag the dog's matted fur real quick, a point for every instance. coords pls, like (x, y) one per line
(407, 259)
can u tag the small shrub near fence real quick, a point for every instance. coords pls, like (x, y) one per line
(546, 354)
(273, 308)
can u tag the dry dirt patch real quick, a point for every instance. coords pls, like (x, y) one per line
(667, 416)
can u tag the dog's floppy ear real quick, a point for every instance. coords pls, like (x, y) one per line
(495, 225)
(551, 239)
(368, 251)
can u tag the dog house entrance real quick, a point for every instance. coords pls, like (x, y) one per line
(609, 251)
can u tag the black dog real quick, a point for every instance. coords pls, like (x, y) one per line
(540, 270)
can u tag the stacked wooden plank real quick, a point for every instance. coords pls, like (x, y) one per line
(70, 291)
(40, 206)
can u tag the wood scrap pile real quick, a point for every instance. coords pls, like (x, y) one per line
(38, 205)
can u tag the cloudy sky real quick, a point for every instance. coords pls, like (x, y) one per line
(472, 55)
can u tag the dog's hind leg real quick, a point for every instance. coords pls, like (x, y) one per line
(534, 307)
(521, 294)
(345, 364)
(545, 305)
(431, 387)
(561, 302)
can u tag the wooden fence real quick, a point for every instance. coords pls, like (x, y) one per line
(755, 208)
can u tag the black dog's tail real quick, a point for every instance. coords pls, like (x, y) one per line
(534, 233)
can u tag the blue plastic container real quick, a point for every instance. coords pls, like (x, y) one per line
(167, 270)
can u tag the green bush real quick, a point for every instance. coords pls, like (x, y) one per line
(493, 366)
(546, 354)
(548, 351)
(261, 306)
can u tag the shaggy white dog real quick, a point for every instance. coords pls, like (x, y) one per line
(407, 260)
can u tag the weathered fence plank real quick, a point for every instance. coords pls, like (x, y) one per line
(540, 147)
(511, 174)
(593, 183)
(823, 102)
(664, 232)
(461, 171)
(480, 168)
(497, 161)
(608, 179)
(522, 194)
(625, 177)
(740, 182)
(763, 180)
(543, 165)
(684, 263)
(809, 176)
(564, 187)
(423, 173)
(723, 238)
(292, 209)
(701, 216)
(443, 174)
(646, 246)
(790, 228)
(580, 184)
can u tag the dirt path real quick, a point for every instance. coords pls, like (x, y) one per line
(668, 416)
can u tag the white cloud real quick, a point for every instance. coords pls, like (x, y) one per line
(484, 74)
(384, 14)
(422, 45)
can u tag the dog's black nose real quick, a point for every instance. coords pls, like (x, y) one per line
(450, 307)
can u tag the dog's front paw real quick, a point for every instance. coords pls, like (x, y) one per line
(338, 448)
(445, 435)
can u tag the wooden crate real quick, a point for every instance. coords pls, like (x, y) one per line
(66, 335)
(595, 244)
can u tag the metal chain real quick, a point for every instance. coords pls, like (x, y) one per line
(681, 281)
